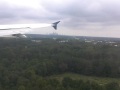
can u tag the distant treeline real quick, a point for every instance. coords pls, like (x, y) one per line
(24, 61)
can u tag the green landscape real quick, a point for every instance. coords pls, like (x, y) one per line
(59, 64)
(99, 80)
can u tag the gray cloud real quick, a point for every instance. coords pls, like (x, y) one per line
(9, 13)
(74, 14)
(89, 11)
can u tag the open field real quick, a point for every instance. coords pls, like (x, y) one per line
(100, 80)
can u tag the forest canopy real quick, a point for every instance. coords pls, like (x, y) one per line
(25, 63)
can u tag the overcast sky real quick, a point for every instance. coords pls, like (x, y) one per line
(78, 17)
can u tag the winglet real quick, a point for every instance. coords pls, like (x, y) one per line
(54, 25)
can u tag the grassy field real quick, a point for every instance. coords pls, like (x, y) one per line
(100, 80)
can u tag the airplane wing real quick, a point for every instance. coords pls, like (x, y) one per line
(20, 29)
(55, 25)
(22, 26)
(12, 33)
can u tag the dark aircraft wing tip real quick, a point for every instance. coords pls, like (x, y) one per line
(54, 25)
